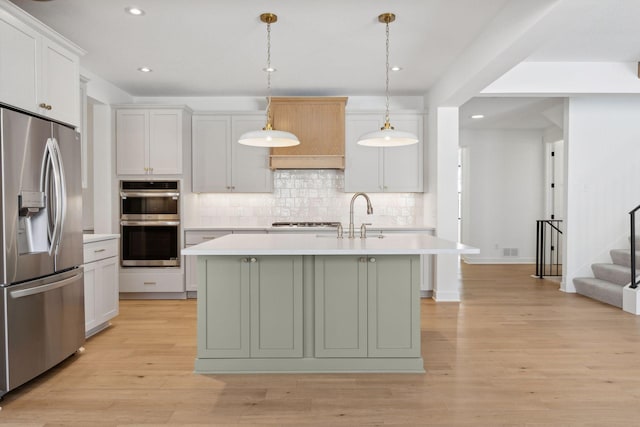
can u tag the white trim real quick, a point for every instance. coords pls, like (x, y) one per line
(631, 300)
(446, 296)
(514, 260)
(50, 33)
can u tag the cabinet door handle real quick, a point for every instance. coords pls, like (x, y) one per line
(372, 259)
(253, 260)
(149, 283)
(98, 251)
(362, 259)
(207, 238)
(45, 106)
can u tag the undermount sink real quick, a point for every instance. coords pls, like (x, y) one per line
(333, 236)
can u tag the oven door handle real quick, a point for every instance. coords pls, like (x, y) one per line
(125, 194)
(151, 223)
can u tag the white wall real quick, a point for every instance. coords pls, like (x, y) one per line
(602, 144)
(503, 194)
(102, 94)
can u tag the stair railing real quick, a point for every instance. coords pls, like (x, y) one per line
(548, 237)
(632, 215)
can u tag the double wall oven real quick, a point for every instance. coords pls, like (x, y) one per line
(150, 223)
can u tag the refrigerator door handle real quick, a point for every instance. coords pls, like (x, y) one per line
(44, 288)
(62, 193)
(48, 169)
(58, 196)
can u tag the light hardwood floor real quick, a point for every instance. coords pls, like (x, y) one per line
(515, 352)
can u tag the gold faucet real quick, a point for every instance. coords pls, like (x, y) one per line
(369, 212)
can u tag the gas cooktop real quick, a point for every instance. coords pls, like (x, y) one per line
(305, 224)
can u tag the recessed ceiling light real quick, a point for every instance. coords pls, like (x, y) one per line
(478, 116)
(396, 68)
(145, 69)
(136, 11)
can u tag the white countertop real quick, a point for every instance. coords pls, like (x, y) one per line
(268, 228)
(311, 244)
(89, 238)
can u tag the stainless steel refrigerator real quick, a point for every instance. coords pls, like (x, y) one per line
(42, 291)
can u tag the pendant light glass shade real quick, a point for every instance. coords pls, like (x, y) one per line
(387, 136)
(268, 137)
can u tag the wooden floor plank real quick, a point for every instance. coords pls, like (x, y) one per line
(515, 352)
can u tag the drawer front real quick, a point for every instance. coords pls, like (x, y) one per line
(163, 281)
(96, 251)
(197, 237)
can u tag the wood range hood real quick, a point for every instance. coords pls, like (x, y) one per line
(318, 122)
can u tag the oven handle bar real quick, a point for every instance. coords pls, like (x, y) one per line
(151, 223)
(125, 194)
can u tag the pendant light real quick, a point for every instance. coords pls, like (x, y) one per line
(269, 137)
(387, 136)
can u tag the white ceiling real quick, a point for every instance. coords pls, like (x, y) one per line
(212, 47)
(511, 113)
(329, 47)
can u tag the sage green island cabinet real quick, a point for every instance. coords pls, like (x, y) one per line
(340, 306)
(291, 302)
(367, 306)
(250, 307)
(393, 321)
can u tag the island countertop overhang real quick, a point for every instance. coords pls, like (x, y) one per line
(304, 244)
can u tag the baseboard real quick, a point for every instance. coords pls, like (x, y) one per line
(101, 327)
(469, 260)
(153, 295)
(426, 294)
(446, 296)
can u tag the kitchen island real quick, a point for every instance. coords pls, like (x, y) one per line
(311, 303)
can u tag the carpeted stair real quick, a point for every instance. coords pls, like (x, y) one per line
(609, 279)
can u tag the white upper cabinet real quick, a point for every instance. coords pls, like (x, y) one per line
(376, 170)
(59, 91)
(150, 141)
(220, 163)
(38, 74)
(210, 153)
(18, 63)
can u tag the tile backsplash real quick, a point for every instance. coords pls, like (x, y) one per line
(302, 195)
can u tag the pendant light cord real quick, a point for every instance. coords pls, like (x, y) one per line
(387, 77)
(268, 75)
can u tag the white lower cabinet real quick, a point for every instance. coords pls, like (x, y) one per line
(101, 285)
(163, 282)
